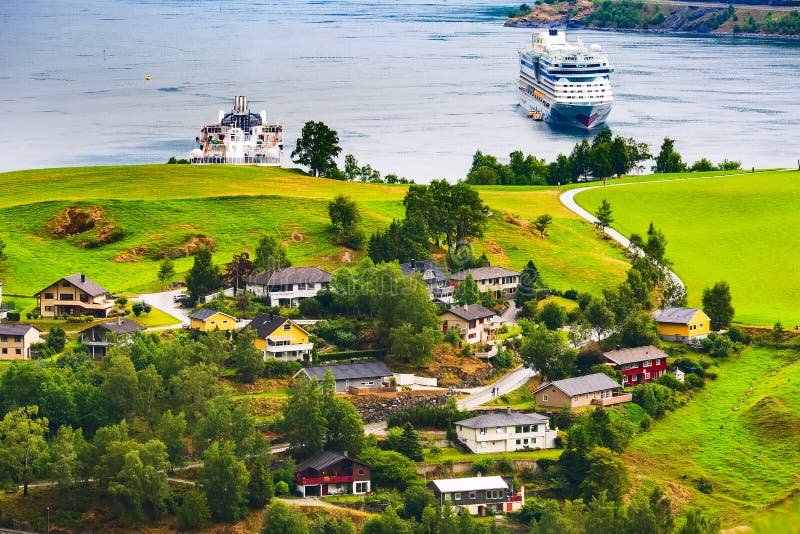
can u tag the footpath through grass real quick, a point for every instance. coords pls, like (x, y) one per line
(161, 207)
(739, 228)
(737, 439)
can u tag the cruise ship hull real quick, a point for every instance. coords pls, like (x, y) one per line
(573, 116)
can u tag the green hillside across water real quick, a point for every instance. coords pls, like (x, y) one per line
(741, 228)
(167, 207)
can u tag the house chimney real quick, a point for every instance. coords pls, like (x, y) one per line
(508, 410)
(119, 319)
(83, 277)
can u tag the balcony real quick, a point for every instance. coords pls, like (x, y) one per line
(617, 398)
(297, 347)
(306, 481)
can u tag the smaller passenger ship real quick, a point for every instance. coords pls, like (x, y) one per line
(239, 138)
(565, 84)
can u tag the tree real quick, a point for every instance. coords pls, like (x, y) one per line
(246, 357)
(619, 156)
(389, 467)
(699, 523)
(120, 385)
(141, 484)
(224, 480)
(668, 160)
(580, 159)
(193, 513)
(346, 218)
(548, 353)
(527, 283)
(203, 277)
(600, 160)
(137, 308)
(345, 427)
(604, 215)
(316, 148)
(270, 255)
(388, 523)
(171, 430)
(650, 512)
(21, 443)
(415, 500)
(606, 472)
(553, 316)
(409, 443)
(599, 316)
(238, 270)
(467, 291)
(541, 223)
(280, 519)
(260, 489)
(351, 168)
(717, 305)
(56, 339)
(304, 422)
(638, 330)
(63, 461)
(166, 270)
(151, 388)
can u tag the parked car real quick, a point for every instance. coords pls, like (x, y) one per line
(181, 298)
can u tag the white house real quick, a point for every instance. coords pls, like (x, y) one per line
(506, 432)
(499, 281)
(287, 287)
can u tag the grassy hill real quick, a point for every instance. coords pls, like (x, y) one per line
(166, 207)
(739, 228)
(740, 434)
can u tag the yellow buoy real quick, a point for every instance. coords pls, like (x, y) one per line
(148, 78)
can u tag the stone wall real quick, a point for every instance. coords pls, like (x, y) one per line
(375, 408)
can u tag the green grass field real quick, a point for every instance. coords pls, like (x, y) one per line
(742, 229)
(161, 206)
(741, 433)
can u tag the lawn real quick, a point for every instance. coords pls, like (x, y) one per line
(740, 434)
(163, 206)
(741, 229)
(456, 455)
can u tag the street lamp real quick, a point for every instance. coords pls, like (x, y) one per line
(48, 519)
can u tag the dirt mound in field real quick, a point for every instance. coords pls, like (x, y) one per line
(92, 224)
(187, 248)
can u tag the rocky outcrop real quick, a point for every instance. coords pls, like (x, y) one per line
(379, 407)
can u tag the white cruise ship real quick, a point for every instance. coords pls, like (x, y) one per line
(239, 138)
(565, 84)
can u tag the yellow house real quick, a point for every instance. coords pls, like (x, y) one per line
(682, 324)
(74, 295)
(280, 338)
(207, 320)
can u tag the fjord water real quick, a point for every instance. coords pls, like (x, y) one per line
(413, 86)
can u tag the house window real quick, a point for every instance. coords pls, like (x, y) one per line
(534, 428)
(287, 326)
(17, 351)
(361, 471)
(492, 494)
(48, 308)
(224, 321)
(48, 295)
(499, 430)
(457, 496)
(518, 429)
(5, 350)
(361, 487)
(482, 432)
(3, 338)
(483, 443)
(646, 375)
(472, 495)
(66, 296)
(519, 441)
(544, 397)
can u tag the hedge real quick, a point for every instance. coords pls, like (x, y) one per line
(352, 354)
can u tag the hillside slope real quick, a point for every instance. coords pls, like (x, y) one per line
(162, 208)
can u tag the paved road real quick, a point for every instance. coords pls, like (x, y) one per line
(509, 316)
(164, 302)
(516, 378)
(568, 199)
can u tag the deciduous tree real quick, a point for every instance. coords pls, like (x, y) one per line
(316, 148)
(467, 291)
(541, 223)
(717, 305)
(203, 277)
(270, 255)
(224, 480)
(21, 442)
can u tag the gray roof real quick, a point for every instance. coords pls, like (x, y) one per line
(291, 275)
(15, 329)
(204, 313)
(349, 371)
(676, 315)
(484, 273)
(470, 312)
(449, 485)
(266, 323)
(84, 284)
(503, 419)
(321, 461)
(118, 326)
(582, 384)
(636, 354)
(422, 266)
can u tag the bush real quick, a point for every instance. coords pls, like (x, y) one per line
(671, 382)
(310, 307)
(693, 381)
(345, 339)
(570, 294)
(737, 335)
(441, 417)
(453, 337)
(349, 355)
(482, 466)
(503, 360)
(280, 369)
(506, 465)
(13, 316)
(281, 488)
(705, 485)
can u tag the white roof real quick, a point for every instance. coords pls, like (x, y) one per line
(450, 485)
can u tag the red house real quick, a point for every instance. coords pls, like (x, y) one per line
(332, 473)
(638, 365)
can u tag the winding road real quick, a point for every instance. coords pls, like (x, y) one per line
(568, 199)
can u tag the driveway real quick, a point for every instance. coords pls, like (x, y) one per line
(164, 302)
(509, 316)
(516, 378)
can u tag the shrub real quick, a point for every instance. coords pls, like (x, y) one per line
(281, 488)
(349, 355)
(645, 423)
(570, 294)
(671, 382)
(705, 485)
(428, 416)
(344, 339)
(310, 307)
(693, 381)
(737, 335)
(504, 359)
(506, 465)
(280, 369)
(13, 316)
(453, 337)
(482, 465)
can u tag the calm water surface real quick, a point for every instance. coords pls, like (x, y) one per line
(413, 86)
